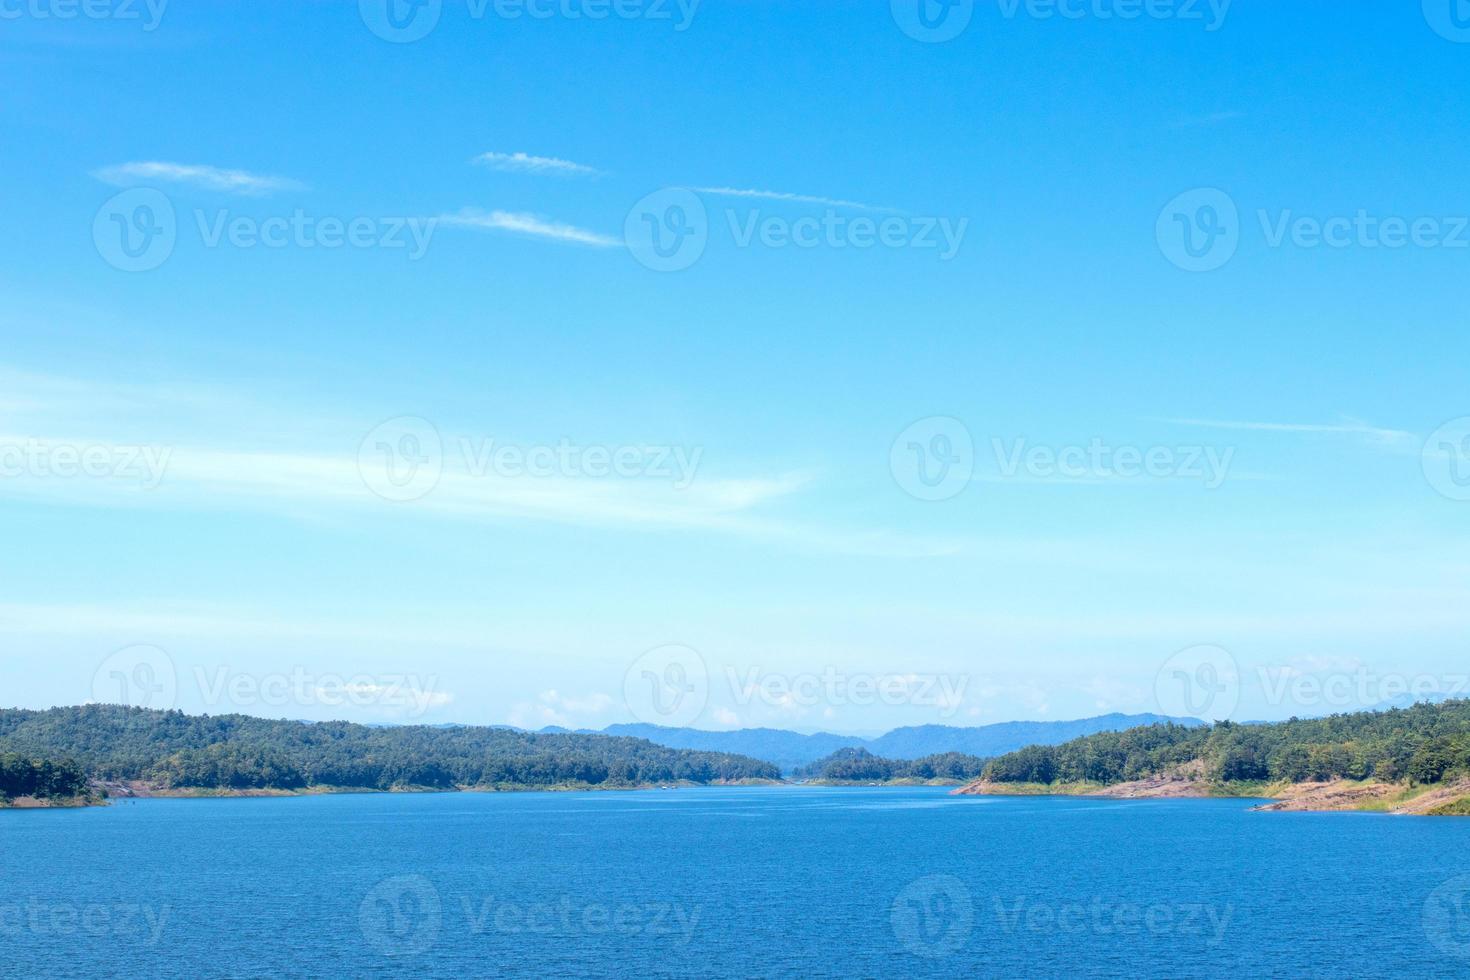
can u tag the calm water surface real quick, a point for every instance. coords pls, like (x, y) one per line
(728, 882)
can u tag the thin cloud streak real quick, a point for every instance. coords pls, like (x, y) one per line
(198, 175)
(300, 485)
(1350, 427)
(325, 481)
(526, 163)
(166, 619)
(522, 223)
(765, 195)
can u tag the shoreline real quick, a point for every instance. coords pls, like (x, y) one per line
(51, 803)
(142, 790)
(1334, 796)
(869, 784)
(112, 791)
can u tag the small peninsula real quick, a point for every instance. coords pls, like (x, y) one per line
(28, 782)
(1412, 760)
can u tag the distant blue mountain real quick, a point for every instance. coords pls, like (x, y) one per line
(792, 749)
(1007, 736)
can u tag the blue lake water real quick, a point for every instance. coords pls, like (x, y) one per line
(747, 882)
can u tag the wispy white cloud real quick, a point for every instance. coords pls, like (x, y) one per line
(198, 175)
(1109, 479)
(521, 223)
(411, 702)
(1113, 694)
(1348, 427)
(321, 486)
(552, 708)
(148, 456)
(765, 195)
(169, 620)
(525, 163)
(707, 503)
(122, 430)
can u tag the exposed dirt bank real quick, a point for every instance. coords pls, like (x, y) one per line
(1188, 782)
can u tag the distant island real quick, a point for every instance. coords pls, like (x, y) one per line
(859, 767)
(1404, 760)
(121, 750)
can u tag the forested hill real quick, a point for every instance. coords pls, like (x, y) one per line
(1422, 744)
(174, 750)
(862, 766)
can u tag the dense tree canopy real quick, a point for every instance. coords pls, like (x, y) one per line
(44, 778)
(1426, 743)
(240, 752)
(860, 765)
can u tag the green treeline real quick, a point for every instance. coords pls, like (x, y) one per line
(175, 750)
(860, 765)
(42, 778)
(1426, 743)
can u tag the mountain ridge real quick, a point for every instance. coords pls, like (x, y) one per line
(792, 750)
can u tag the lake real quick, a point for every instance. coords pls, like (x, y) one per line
(737, 882)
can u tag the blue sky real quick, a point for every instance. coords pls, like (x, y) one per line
(1300, 514)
